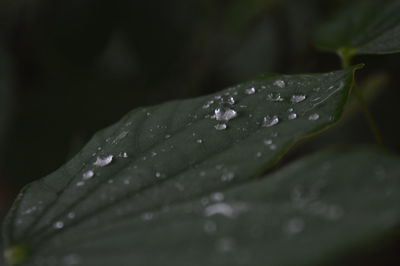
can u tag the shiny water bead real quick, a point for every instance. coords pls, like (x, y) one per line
(280, 83)
(220, 126)
(269, 121)
(313, 117)
(298, 98)
(250, 91)
(292, 116)
(224, 114)
(103, 161)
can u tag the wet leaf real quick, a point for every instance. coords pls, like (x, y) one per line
(169, 154)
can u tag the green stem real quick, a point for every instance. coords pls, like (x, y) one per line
(346, 56)
(368, 116)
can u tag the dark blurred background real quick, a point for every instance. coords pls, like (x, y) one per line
(70, 68)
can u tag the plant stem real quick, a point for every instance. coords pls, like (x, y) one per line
(346, 55)
(368, 116)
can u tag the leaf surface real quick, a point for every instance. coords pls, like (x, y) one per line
(366, 27)
(172, 153)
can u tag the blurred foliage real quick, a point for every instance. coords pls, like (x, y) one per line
(81, 64)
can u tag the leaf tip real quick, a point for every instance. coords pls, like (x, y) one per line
(358, 66)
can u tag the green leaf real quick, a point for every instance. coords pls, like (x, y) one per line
(306, 214)
(366, 27)
(172, 153)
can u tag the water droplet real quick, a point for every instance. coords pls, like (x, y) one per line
(258, 154)
(274, 97)
(58, 225)
(298, 98)
(313, 117)
(268, 141)
(167, 136)
(280, 83)
(103, 161)
(124, 155)
(224, 114)
(80, 183)
(227, 176)
(272, 147)
(292, 116)
(220, 126)
(219, 208)
(294, 226)
(87, 175)
(158, 174)
(230, 100)
(217, 196)
(269, 121)
(225, 209)
(30, 210)
(290, 110)
(199, 141)
(225, 244)
(71, 215)
(250, 91)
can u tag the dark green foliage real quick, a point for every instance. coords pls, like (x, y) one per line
(366, 27)
(210, 180)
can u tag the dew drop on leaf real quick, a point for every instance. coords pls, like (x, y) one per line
(297, 98)
(269, 121)
(71, 215)
(224, 114)
(313, 117)
(250, 91)
(88, 174)
(220, 208)
(230, 100)
(227, 176)
(292, 116)
(103, 161)
(274, 97)
(280, 83)
(217, 196)
(220, 126)
(58, 225)
(80, 184)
